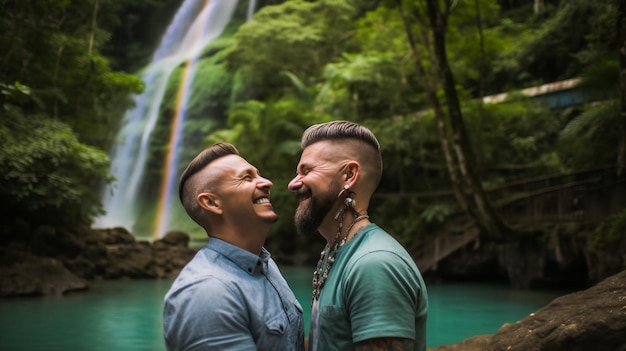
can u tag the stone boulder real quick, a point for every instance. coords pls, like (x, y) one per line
(125, 257)
(174, 238)
(593, 319)
(115, 236)
(55, 262)
(133, 260)
(30, 275)
(171, 253)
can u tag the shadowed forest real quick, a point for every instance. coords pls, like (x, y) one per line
(423, 75)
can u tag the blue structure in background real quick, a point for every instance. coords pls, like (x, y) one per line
(555, 95)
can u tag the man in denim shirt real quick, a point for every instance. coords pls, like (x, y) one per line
(231, 295)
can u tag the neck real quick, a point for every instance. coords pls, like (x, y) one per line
(345, 230)
(251, 241)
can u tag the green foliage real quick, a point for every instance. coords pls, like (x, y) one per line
(211, 88)
(437, 213)
(137, 31)
(591, 139)
(406, 218)
(612, 229)
(296, 36)
(604, 245)
(391, 86)
(297, 63)
(61, 103)
(46, 174)
(572, 29)
(517, 138)
(14, 95)
(411, 153)
(300, 62)
(362, 86)
(53, 47)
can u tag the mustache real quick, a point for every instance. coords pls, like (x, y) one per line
(303, 193)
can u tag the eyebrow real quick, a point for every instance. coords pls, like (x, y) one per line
(302, 166)
(248, 171)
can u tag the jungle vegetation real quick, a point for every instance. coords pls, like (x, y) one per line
(414, 71)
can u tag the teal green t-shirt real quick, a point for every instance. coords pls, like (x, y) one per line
(373, 290)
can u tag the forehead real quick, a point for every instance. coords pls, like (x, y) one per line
(319, 153)
(228, 165)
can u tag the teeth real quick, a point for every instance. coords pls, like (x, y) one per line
(262, 201)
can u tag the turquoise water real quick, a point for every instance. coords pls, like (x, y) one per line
(126, 315)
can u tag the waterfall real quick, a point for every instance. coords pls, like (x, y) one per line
(195, 25)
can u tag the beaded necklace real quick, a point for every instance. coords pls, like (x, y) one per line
(319, 280)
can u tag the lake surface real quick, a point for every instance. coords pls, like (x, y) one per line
(126, 315)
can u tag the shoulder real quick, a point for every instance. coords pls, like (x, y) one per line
(202, 290)
(380, 260)
(375, 235)
(377, 248)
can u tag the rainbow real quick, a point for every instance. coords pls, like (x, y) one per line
(195, 24)
(168, 185)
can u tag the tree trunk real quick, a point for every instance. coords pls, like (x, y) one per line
(621, 32)
(429, 85)
(462, 146)
(94, 15)
(481, 90)
(539, 6)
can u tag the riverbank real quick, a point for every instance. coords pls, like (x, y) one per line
(65, 262)
(592, 319)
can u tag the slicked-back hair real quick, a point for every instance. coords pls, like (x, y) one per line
(344, 132)
(339, 130)
(205, 157)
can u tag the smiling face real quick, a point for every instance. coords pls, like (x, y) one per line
(242, 194)
(316, 184)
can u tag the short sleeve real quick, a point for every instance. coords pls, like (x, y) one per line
(208, 315)
(382, 293)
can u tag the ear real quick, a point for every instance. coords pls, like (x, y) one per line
(353, 171)
(209, 202)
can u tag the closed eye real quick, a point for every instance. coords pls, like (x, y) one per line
(303, 172)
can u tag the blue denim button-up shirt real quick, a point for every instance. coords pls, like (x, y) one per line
(227, 298)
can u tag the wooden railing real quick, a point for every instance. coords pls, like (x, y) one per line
(443, 245)
(582, 201)
(582, 197)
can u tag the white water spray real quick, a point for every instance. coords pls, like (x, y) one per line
(195, 25)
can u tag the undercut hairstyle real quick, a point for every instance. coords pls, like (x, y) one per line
(339, 130)
(345, 132)
(188, 190)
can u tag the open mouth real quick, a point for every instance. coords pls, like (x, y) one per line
(262, 200)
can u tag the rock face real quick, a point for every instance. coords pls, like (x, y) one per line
(33, 275)
(56, 263)
(593, 319)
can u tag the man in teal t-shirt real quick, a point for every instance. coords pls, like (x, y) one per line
(368, 292)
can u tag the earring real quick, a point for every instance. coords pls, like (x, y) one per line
(345, 188)
(350, 202)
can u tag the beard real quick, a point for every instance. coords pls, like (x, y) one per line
(309, 217)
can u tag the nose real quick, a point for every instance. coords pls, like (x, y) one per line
(264, 183)
(295, 183)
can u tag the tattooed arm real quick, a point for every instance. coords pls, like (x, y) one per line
(385, 344)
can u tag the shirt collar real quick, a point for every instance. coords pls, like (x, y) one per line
(246, 260)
